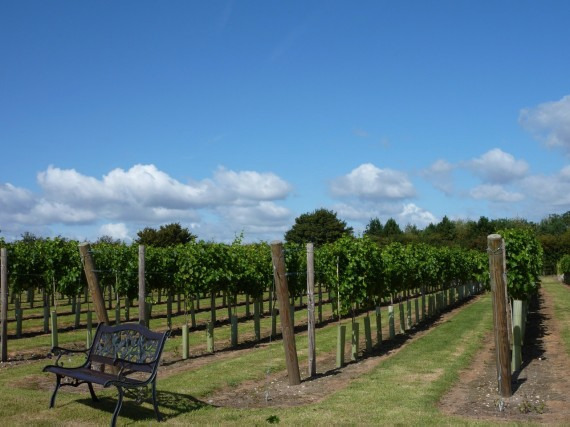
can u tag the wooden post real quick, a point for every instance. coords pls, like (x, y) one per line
(93, 283)
(142, 292)
(311, 309)
(89, 338)
(256, 319)
(507, 301)
(498, 291)
(289, 345)
(4, 302)
(234, 330)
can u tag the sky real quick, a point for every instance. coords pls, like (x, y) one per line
(233, 117)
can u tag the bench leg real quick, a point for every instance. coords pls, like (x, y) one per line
(155, 401)
(93, 395)
(57, 385)
(118, 407)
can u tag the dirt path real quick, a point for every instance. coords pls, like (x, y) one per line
(541, 391)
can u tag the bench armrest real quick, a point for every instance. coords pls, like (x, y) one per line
(60, 351)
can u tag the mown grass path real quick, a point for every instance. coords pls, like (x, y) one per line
(404, 388)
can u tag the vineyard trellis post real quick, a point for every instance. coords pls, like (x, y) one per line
(142, 300)
(311, 308)
(93, 283)
(278, 258)
(4, 302)
(498, 292)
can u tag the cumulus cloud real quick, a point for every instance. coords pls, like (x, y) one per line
(412, 214)
(440, 175)
(116, 231)
(552, 191)
(403, 213)
(146, 196)
(495, 193)
(498, 167)
(549, 122)
(14, 200)
(252, 185)
(371, 183)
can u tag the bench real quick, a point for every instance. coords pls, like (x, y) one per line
(125, 356)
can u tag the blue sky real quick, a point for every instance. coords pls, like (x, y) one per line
(231, 116)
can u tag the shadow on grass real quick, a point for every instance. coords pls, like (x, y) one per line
(170, 405)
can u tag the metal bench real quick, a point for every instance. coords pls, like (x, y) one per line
(125, 356)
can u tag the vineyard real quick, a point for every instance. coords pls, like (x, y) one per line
(219, 302)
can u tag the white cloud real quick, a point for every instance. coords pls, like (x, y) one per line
(549, 122)
(145, 196)
(553, 192)
(14, 200)
(498, 167)
(404, 214)
(440, 175)
(252, 185)
(495, 193)
(412, 214)
(116, 231)
(371, 183)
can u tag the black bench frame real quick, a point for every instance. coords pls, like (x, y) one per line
(125, 349)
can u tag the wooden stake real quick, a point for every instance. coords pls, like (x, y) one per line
(498, 290)
(4, 302)
(311, 309)
(93, 283)
(289, 345)
(142, 291)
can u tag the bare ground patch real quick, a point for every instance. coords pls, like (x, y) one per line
(541, 390)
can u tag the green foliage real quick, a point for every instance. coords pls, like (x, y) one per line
(564, 265)
(374, 228)
(165, 236)
(318, 227)
(524, 262)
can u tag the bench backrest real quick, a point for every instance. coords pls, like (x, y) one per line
(131, 342)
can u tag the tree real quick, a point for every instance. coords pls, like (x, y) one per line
(392, 229)
(318, 227)
(167, 235)
(374, 228)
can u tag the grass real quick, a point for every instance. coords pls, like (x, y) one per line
(561, 297)
(403, 389)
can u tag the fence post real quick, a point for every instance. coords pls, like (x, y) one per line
(498, 292)
(93, 283)
(289, 345)
(311, 309)
(142, 292)
(4, 302)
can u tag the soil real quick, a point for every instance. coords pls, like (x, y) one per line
(541, 388)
